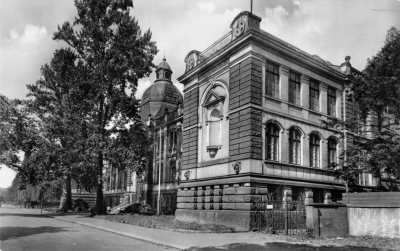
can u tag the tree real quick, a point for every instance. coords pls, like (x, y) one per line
(109, 43)
(60, 103)
(375, 137)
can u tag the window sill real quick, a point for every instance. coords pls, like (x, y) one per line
(296, 165)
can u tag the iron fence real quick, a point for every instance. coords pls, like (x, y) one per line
(285, 217)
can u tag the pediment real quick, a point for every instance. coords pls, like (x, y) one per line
(212, 98)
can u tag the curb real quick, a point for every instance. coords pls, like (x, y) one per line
(137, 237)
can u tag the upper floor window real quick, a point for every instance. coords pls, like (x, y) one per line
(272, 142)
(272, 80)
(332, 150)
(294, 88)
(314, 95)
(294, 146)
(314, 150)
(331, 101)
(214, 133)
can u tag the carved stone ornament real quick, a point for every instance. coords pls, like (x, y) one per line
(237, 166)
(240, 26)
(187, 174)
(192, 59)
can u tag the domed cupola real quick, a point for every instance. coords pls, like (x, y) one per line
(160, 96)
(163, 71)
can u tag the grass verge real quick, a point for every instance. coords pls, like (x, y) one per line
(166, 222)
(380, 243)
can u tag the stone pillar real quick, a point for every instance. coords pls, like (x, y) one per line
(209, 198)
(284, 82)
(200, 198)
(287, 196)
(328, 198)
(218, 191)
(339, 103)
(324, 98)
(309, 195)
(305, 141)
(305, 92)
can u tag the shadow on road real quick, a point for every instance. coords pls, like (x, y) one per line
(278, 246)
(7, 233)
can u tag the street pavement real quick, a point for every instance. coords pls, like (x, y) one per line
(22, 229)
(27, 229)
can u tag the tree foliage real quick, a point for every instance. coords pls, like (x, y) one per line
(374, 130)
(109, 44)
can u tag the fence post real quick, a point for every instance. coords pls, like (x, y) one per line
(287, 198)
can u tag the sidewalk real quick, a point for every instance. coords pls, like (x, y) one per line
(173, 239)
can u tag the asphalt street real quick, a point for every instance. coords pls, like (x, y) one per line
(22, 230)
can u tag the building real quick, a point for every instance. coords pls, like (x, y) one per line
(161, 110)
(253, 106)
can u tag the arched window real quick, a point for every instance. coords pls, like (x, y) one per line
(294, 146)
(272, 142)
(214, 121)
(314, 150)
(332, 148)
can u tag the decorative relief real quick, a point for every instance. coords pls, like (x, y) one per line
(237, 166)
(187, 174)
(239, 26)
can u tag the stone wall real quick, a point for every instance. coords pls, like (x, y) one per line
(245, 126)
(376, 214)
(190, 133)
(220, 197)
(327, 220)
(227, 205)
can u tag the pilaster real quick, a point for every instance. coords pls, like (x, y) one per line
(324, 97)
(305, 91)
(284, 82)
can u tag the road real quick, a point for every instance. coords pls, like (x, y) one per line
(22, 230)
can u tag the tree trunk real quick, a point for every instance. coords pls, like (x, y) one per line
(99, 193)
(68, 194)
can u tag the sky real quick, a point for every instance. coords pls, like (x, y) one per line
(331, 29)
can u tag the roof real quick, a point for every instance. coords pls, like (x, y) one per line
(164, 65)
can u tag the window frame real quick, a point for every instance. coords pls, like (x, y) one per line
(210, 122)
(315, 150)
(330, 149)
(332, 105)
(295, 147)
(272, 88)
(314, 101)
(272, 131)
(294, 88)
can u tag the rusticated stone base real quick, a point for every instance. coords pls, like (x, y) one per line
(239, 220)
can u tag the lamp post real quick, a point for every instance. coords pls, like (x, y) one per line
(159, 176)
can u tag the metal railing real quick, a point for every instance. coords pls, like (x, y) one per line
(286, 217)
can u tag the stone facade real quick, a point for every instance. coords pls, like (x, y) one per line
(251, 129)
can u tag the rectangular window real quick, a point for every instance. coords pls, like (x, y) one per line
(294, 88)
(272, 80)
(331, 101)
(314, 95)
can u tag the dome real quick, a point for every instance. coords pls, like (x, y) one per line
(162, 91)
(164, 65)
(158, 97)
